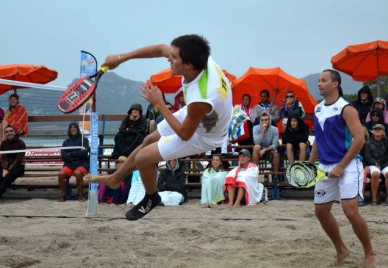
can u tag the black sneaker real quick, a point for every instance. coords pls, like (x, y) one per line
(144, 207)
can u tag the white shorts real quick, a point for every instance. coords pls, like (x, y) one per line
(348, 186)
(171, 146)
(376, 169)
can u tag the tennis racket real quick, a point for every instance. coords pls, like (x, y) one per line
(304, 174)
(79, 92)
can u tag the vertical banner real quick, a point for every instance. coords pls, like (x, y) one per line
(88, 67)
(93, 200)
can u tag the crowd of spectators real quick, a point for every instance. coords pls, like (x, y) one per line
(259, 122)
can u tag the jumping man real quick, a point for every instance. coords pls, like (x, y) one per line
(200, 126)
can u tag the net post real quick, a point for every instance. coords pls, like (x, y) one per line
(93, 187)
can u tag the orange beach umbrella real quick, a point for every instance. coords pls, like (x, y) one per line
(363, 62)
(276, 81)
(25, 73)
(169, 83)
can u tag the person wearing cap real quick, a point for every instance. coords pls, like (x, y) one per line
(338, 140)
(376, 157)
(132, 131)
(119, 195)
(266, 139)
(380, 103)
(377, 118)
(363, 103)
(242, 183)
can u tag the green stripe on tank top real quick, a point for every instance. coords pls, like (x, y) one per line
(202, 84)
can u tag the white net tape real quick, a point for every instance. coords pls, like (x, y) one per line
(25, 84)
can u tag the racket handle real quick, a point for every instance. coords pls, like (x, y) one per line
(104, 69)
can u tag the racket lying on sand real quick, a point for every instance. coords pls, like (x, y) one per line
(304, 174)
(79, 92)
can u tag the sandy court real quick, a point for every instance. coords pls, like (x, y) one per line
(38, 231)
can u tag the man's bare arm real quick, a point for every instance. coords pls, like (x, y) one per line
(352, 120)
(314, 153)
(195, 112)
(153, 51)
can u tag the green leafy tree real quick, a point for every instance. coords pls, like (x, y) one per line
(384, 87)
(351, 97)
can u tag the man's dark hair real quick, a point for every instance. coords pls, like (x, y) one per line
(8, 127)
(265, 91)
(335, 76)
(265, 114)
(193, 49)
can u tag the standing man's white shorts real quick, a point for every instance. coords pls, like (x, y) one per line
(346, 187)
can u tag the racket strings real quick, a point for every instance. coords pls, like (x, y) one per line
(301, 175)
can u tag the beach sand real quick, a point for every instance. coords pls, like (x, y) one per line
(38, 231)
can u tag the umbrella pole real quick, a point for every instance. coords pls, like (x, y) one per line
(378, 85)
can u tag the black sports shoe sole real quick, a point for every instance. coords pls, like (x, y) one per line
(143, 208)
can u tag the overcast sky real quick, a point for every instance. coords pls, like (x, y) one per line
(299, 36)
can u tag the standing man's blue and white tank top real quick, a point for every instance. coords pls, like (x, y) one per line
(332, 136)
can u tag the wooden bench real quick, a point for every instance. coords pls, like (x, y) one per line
(38, 167)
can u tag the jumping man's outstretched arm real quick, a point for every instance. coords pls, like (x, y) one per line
(153, 51)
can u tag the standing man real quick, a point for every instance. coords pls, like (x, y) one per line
(200, 126)
(13, 163)
(338, 139)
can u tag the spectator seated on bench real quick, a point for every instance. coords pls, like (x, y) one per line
(213, 179)
(132, 131)
(265, 106)
(137, 191)
(13, 164)
(75, 161)
(296, 138)
(266, 138)
(171, 184)
(242, 183)
(290, 106)
(115, 196)
(241, 127)
(376, 154)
